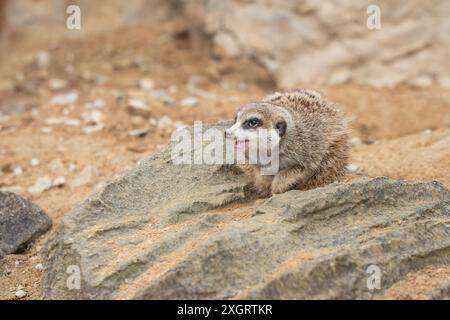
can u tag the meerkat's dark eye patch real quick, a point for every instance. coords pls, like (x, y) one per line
(251, 123)
(281, 127)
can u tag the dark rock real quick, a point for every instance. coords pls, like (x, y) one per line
(20, 223)
(168, 231)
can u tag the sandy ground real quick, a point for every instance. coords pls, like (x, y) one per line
(401, 132)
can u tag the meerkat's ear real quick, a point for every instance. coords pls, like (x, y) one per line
(280, 126)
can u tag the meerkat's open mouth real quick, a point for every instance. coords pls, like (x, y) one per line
(241, 143)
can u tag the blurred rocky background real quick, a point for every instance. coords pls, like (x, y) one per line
(296, 41)
(79, 108)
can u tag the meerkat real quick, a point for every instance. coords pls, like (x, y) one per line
(312, 136)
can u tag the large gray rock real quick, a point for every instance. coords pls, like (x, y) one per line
(20, 223)
(166, 231)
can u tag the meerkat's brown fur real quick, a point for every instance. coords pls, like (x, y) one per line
(315, 151)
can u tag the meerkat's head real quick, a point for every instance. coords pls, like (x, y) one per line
(258, 122)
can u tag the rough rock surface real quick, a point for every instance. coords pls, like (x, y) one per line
(177, 231)
(20, 223)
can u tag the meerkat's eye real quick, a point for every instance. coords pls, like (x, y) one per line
(252, 123)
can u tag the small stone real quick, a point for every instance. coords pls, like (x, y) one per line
(355, 141)
(59, 182)
(18, 171)
(138, 132)
(352, 167)
(139, 106)
(146, 84)
(46, 130)
(39, 267)
(86, 177)
(21, 294)
(227, 44)
(153, 122)
(92, 129)
(57, 84)
(42, 59)
(165, 122)
(34, 162)
(96, 104)
(42, 184)
(93, 116)
(63, 121)
(189, 102)
(13, 189)
(168, 100)
(64, 99)
(163, 96)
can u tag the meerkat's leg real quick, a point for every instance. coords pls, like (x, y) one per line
(261, 183)
(288, 179)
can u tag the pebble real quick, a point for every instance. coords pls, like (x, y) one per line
(94, 116)
(86, 177)
(355, 141)
(64, 99)
(138, 105)
(146, 84)
(34, 162)
(59, 182)
(352, 167)
(62, 120)
(96, 104)
(39, 267)
(138, 132)
(18, 171)
(163, 96)
(21, 293)
(42, 184)
(46, 130)
(57, 84)
(153, 122)
(165, 122)
(43, 59)
(189, 102)
(92, 129)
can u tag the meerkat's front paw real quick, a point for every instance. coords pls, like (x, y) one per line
(262, 185)
(279, 186)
